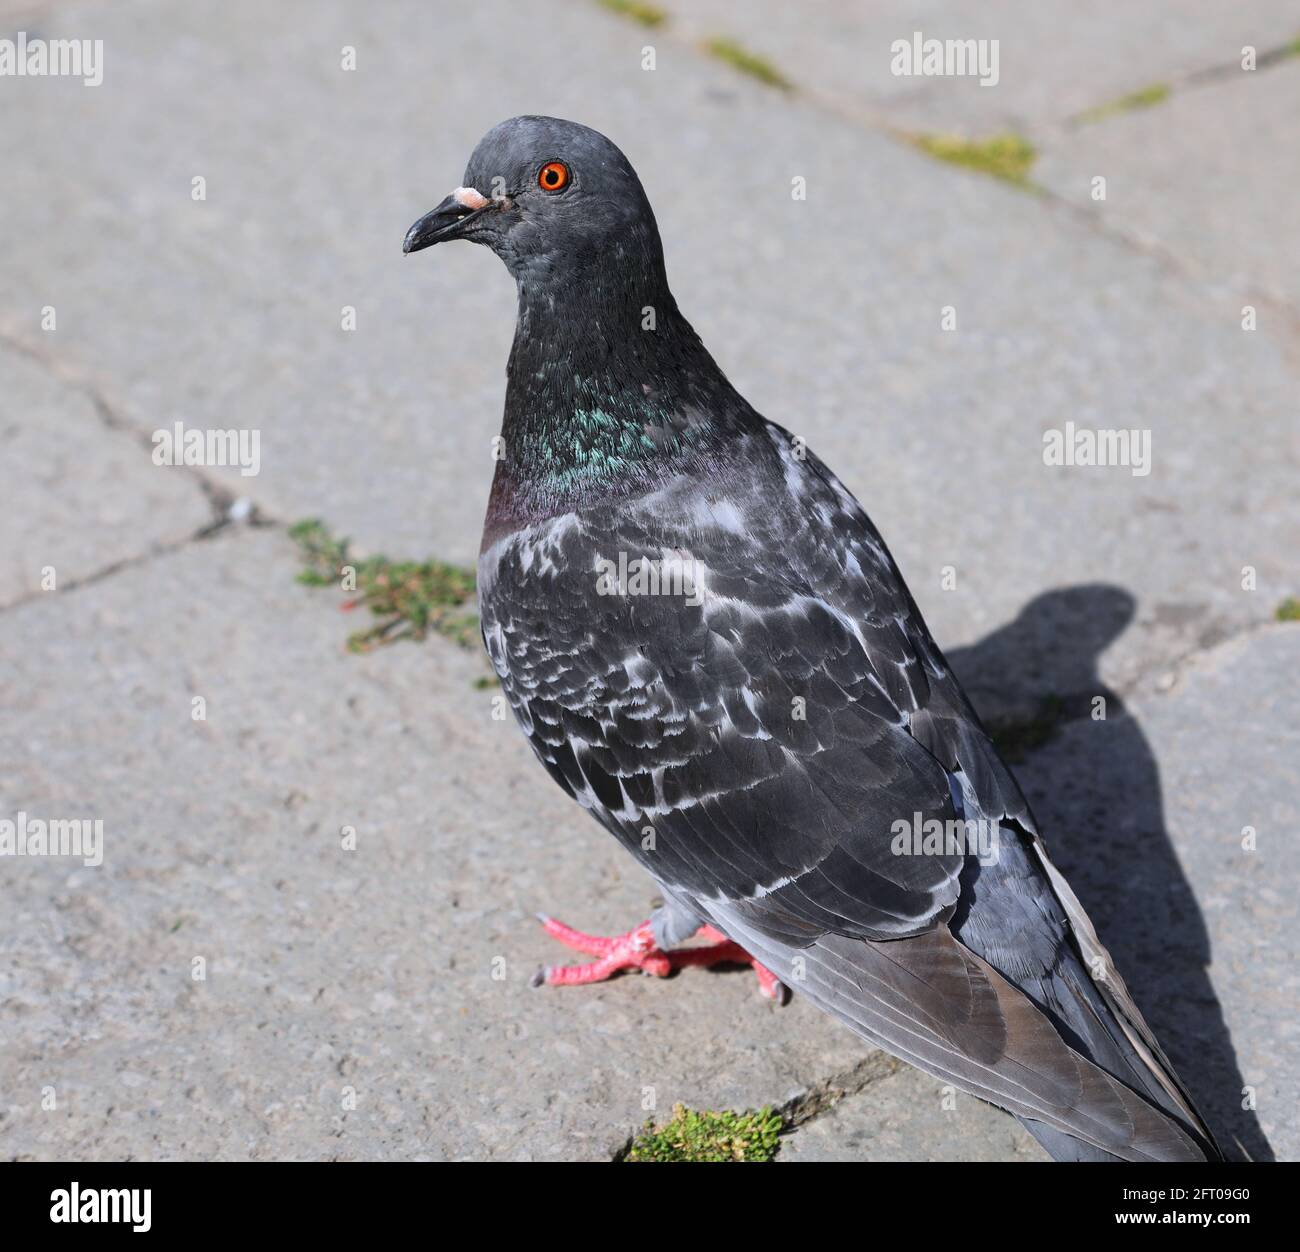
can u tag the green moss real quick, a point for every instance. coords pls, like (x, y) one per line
(747, 62)
(1288, 610)
(1008, 157)
(1144, 98)
(709, 1136)
(646, 14)
(1016, 738)
(410, 598)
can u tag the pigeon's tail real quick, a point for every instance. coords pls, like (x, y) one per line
(1036, 933)
(1101, 1020)
(934, 1003)
(1018, 913)
(1001, 1003)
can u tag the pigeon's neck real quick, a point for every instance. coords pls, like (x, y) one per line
(609, 392)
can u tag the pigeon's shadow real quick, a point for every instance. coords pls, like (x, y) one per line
(1095, 789)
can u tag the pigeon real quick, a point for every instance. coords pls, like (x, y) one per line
(711, 650)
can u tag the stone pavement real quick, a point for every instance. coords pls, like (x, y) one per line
(374, 1002)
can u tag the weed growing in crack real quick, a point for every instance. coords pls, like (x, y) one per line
(740, 58)
(637, 10)
(703, 1135)
(1145, 98)
(1008, 157)
(410, 598)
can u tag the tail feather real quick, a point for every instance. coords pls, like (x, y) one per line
(934, 1003)
(1018, 913)
(1123, 1010)
(1062, 1147)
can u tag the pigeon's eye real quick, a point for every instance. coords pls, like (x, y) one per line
(553, 176)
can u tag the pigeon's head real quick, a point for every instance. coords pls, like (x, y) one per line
(547, 196)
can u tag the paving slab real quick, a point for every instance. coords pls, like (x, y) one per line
(1209, 176)
(909, 1116)
(79, 496)
(394, 976)
(1055, 59)
(826, 311)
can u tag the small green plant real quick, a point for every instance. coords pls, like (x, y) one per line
(747, 62)
(410, 598)
(1144, 98)
(1007, 157)
(692, 1135)
(1288, 610)
(646, 14)
(1016, 738)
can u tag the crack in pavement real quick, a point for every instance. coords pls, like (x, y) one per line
(155, 551)
(1287, 315)
(1173, 670)
(823, 1096)
(1191, 80)
(220, 499)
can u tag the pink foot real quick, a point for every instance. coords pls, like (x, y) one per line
(637, 950)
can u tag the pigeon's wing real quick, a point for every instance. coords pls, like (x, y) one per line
(738, 685)
(736, 735)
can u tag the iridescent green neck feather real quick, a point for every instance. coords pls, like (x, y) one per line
(609, 390)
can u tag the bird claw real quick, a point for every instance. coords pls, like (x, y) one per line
(637, 949)
(634, 950)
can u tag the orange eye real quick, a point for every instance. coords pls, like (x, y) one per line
(553, 176)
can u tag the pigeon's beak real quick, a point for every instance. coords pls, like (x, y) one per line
(448, 220)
